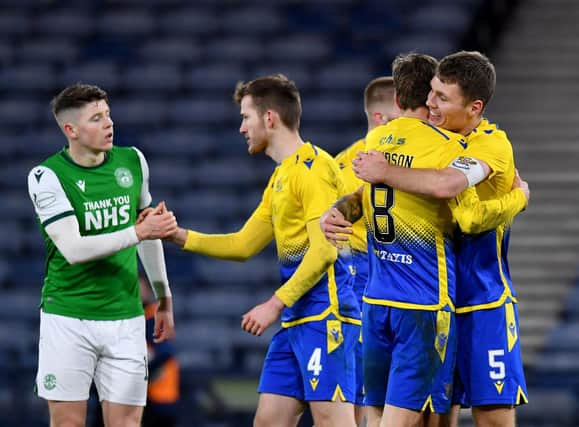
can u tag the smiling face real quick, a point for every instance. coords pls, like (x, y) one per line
(253, 126)
(448, 108)
(90, 127)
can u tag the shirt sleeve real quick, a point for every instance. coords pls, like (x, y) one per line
(47, 195)
(318, 258)
(475, 216)
(495, 152)
(250, 240)
(145, 198)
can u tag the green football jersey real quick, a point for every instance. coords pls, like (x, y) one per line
(104, 199)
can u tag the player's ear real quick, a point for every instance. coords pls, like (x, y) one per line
(397, 101)
(476, 107)
(69, 130)
(270, 118)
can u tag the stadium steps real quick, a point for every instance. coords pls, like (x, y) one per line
(536, 103)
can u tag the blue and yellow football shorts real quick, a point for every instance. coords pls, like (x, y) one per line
(361, 267)
(489, 362)
(313, 361)
(409, 357)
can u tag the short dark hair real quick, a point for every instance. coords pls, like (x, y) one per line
(472, 71)
(76, 96)
(378, 91)
(274, 92)
(412, 74)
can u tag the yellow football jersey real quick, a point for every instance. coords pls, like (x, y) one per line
(483, 275)
(410, 238)
(302, 187)
(351, 184)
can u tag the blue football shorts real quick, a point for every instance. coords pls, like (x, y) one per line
(489, 362)
(361, 266)
(313, 361)
(409, 357)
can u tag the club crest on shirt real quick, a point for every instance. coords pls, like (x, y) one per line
(278, 185)
(124, 177)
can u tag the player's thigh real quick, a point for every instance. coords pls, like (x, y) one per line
(66, 359)
(423, 360)
(281, 374)
(377, 347)
(277, 410)
(67, 414)
(119, 415)
(374, 415)
(394, 416)
(333, 414)
(325, 351)
(121, 373)
(494, 416)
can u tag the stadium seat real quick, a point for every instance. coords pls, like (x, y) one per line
(221, 76)
(19, 205)
(348, 75)
(452, 20)
(43, 142)
(332, 109)
(171, 50)
(221, 205)
(198, 111)
(14, 23)
(153, 77)
(195, 22)
(235, 48)
(170, 175)
(252, 20)
(139, 114)
(103, 73)
(300, 74)
(28, 78)
(299, 48)
(178, 142)
(48, 51)
(222, 173)
(70, 22)
(437, 45)
(6, 53)
(131, 22)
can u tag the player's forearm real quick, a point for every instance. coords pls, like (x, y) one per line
(475, 216)
(436, 183)
(318, 258)
(77, 249)
(240, 246)
(153, 260)
(350, 206)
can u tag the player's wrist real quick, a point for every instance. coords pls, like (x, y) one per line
(166, 304)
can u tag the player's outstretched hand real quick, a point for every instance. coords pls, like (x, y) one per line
(262, 316)
(370, 167)
(335, 228)
(164, 322)
(158, 224)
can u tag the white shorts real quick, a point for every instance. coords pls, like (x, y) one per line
(74, 352)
